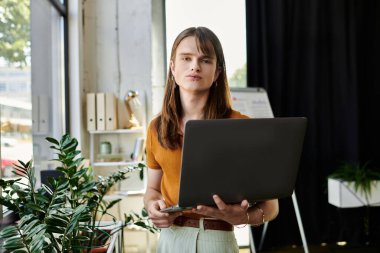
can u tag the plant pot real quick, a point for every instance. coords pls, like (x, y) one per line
(342, 194)
(102, 249)
(101, 243)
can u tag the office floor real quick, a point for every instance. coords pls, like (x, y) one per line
(320, 249)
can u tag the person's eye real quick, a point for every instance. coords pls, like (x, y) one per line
(206, 60)
(186, 58)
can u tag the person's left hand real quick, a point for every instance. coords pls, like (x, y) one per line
(233, 214)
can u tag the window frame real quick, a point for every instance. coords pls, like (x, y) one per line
(62, 9)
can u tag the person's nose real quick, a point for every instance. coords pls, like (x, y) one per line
(195, 66)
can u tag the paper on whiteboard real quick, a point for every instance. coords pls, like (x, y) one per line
(252, 102)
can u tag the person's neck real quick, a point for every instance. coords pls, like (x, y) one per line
(192, 106)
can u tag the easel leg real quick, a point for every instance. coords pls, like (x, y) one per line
(300, 226)
(251, 241)
(265, 227)
(299, 221)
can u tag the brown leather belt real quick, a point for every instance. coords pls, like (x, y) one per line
(183, 221)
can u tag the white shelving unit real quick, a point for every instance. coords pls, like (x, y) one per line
(108, 164)
(96, 136)
(132, 198)
(117, 131)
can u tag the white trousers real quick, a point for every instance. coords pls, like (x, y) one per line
(178, 239)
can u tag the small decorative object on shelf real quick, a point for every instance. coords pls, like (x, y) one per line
(131, 98)
(105, 148)
(116, 159)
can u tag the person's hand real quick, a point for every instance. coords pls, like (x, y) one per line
(233, 214)
(160, 219)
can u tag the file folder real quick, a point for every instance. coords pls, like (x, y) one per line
(111, 111)
(91, 112)
(100, 112)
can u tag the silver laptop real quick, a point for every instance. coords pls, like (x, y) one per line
(253, 159)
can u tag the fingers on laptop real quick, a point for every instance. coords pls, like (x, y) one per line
(156, 206)
(161, 204)
(223, 210)
(166, 220)
(244, 205)
(219, 203)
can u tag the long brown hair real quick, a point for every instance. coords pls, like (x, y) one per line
(218, 104)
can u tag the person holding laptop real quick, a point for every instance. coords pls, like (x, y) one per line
(196, 88)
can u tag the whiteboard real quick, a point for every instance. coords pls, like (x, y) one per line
(252, 102)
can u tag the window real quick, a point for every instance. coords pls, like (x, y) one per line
(15, 88)
(224, 17)
(38, 26)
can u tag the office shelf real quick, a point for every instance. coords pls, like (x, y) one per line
(119, 131)
(107, 164)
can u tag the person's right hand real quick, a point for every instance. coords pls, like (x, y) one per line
(160, 219)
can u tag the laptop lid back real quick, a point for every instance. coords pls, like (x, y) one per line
(253, 159)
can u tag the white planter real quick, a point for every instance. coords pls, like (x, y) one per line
(343, 194)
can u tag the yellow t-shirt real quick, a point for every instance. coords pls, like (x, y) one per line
(169, 161)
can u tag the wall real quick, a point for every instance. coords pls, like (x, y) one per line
(117, 55)
(123, 49)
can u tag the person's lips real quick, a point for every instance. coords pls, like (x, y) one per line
(194, 77)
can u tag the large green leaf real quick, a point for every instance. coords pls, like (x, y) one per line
(35, 207)
(26, 219)
(9, 232)
(28, 227)
(75, 218)
(39, 229)
(23, 250)
(13, 243)
(37, 244)
(52, 140)
(57, 220)
(55, 229)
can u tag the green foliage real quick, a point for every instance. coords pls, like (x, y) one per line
(141, 220)
(15, 31)
(361, 176)
(61, 217)
(27, 236)
(239, 78)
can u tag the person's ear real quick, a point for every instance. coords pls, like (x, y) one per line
(172, 67)
(217, 73)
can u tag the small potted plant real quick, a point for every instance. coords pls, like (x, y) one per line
(354, 185)
(65, 215)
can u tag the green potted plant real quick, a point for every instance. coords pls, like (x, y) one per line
(354, 185)
(65, 215)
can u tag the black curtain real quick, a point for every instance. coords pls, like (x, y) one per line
(320, 59)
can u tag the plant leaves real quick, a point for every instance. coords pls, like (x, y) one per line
(52, 140)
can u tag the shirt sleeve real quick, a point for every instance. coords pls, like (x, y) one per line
(151, 138)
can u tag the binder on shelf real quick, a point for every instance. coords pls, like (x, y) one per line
(138, 150)
(111, 111)
(91, 112)
(100, 112)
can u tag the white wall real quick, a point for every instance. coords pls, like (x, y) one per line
(117, 51)
(117, 56)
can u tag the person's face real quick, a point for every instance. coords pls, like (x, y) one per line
(193, 71)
